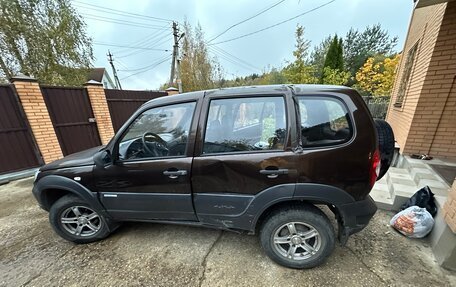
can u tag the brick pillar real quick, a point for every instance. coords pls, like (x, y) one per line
(29, 93)
(100, 110)
(172, 91)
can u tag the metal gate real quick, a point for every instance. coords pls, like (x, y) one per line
(122, 104)
(17, 148)
(72, 118)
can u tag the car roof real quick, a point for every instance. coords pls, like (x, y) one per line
(246, 90)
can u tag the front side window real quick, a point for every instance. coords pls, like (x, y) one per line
(245, 124)
(158, 132)
(324, 121)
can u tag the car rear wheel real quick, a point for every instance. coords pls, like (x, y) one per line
(76, 221)
(385, 145)
(298, 237)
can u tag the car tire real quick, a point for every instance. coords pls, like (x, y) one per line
(385, 145)
(76, 221)
(311, 240)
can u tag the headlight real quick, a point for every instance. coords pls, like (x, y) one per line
(36, 175)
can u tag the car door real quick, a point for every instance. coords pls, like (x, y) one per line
(244, 147)
(150, 178)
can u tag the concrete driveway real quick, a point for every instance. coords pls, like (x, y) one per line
(142, 254)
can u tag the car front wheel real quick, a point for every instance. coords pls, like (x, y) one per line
(76, 221)
(298, 237)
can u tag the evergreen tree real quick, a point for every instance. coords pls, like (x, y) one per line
(358, 46)
(318, 55)
(334, 58)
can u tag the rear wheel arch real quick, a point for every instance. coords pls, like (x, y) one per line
(302, 194)
(291, 203)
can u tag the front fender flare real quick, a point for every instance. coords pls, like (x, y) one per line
(66, 184)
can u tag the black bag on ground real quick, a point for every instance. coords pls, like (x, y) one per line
(423, 198)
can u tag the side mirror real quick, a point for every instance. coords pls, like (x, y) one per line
(103, 158)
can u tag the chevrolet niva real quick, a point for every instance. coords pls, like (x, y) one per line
(260, 160)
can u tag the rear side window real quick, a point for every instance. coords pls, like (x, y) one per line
(324, 121)
(245, 124)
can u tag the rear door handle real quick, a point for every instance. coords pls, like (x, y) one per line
(174, 173)
(273, 173)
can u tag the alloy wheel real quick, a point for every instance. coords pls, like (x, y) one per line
(297, 240)
(81, 221)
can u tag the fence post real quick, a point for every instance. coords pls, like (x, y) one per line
(29, 93)
(100, 110)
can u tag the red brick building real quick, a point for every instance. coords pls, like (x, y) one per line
(422, 111)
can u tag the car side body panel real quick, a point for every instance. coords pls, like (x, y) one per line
(229, 190)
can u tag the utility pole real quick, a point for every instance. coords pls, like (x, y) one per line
(175, 64)
(114, 72)
(175, 52)
(179, 81)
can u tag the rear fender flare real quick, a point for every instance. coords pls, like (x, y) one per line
(310, 192)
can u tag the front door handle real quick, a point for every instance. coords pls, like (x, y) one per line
(174, 173)
(273, 173)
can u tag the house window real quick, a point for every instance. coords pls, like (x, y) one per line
(406, 74)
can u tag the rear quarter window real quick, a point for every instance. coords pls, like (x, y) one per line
(324, 121)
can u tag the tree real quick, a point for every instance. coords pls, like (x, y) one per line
(334, 57)
(198, 70)
(333, 69)
(376, 76)
(318, 55)
(298, 71)
(358, 46)
(273, 77)
(44, 39)
(334, 76)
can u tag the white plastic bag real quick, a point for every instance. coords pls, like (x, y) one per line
(413, 222)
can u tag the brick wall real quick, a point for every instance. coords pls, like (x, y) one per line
(426, 122)
(449, 208)
(35, 109)
(423, 29)
(443, 75)
(101, 111)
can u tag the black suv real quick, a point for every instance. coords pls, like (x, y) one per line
(250, 159)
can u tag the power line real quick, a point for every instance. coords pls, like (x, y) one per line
(145, 67)
(245, 20)
(144, 41)
(123, 22)
(122, 64)
(236, 58)
(232, 61)
(113, 11)
(157, 64)
(275, 25)
(135, 53)
(131, 47)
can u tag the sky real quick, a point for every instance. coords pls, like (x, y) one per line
(148, 64)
